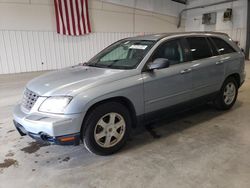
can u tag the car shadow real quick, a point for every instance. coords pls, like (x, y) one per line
(175, 124)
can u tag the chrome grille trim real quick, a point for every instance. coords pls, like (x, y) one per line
(29, 99)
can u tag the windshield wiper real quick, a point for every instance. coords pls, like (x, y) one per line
(91, 64)
(102, 65)
(113, 63)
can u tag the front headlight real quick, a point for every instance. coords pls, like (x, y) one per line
(55, 105)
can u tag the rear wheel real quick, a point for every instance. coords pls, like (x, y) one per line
(228, 94)
(107, 128)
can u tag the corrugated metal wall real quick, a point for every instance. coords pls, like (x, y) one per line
(25, 51)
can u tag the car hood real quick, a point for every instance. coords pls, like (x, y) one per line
(73, 80)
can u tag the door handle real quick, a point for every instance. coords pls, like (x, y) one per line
(219, 62)
(186, 71)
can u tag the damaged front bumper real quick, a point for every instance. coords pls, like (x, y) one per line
(55, 129)
(72, 139)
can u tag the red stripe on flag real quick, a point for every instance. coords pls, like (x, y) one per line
(57, 16)
(87, 14)
(78, 18)
(67, 16)
(83, 19)
(61, 15)
(72, 17)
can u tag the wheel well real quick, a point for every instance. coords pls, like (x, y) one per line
(236, 76)
(123, 100)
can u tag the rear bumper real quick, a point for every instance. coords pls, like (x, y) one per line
(56, 129)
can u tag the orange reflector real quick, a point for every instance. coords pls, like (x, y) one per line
(67, 139)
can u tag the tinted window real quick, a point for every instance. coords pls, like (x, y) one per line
(222, 46)
(170, 50)
(213, 47)
(199, 48)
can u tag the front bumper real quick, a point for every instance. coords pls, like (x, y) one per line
(57, 129)
(72, 139)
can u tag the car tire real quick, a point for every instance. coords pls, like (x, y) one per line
(227, 95)
(106, 128)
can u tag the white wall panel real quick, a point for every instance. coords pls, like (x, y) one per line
(166, 7)
(3, 55)
(28, 39)
(235, 28)
(24, 51)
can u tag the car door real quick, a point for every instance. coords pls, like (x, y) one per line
(207, 68)
(228, 57)
(168, 86)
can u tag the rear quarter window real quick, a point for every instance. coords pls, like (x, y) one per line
(222, 46)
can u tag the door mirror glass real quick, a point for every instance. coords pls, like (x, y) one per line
(159, 63)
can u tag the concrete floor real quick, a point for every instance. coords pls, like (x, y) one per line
(201, 148)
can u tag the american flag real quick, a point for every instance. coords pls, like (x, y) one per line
(72, 17)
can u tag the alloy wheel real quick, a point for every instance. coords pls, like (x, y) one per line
(229, 93)
(109, 130)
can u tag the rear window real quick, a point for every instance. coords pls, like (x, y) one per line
(199, 48)
(222, 46)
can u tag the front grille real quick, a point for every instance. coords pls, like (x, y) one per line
(29, 99)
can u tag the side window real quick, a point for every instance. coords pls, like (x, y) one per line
(213, 47)
(223, 47)
(171, 50)
(199, 47)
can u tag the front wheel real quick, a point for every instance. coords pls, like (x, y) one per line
(228, 94)
(107, 128)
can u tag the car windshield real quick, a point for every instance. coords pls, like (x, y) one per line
(125, 54)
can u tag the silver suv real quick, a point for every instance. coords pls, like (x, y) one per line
(130, 82)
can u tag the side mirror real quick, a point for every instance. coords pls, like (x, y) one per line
(159, 63)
